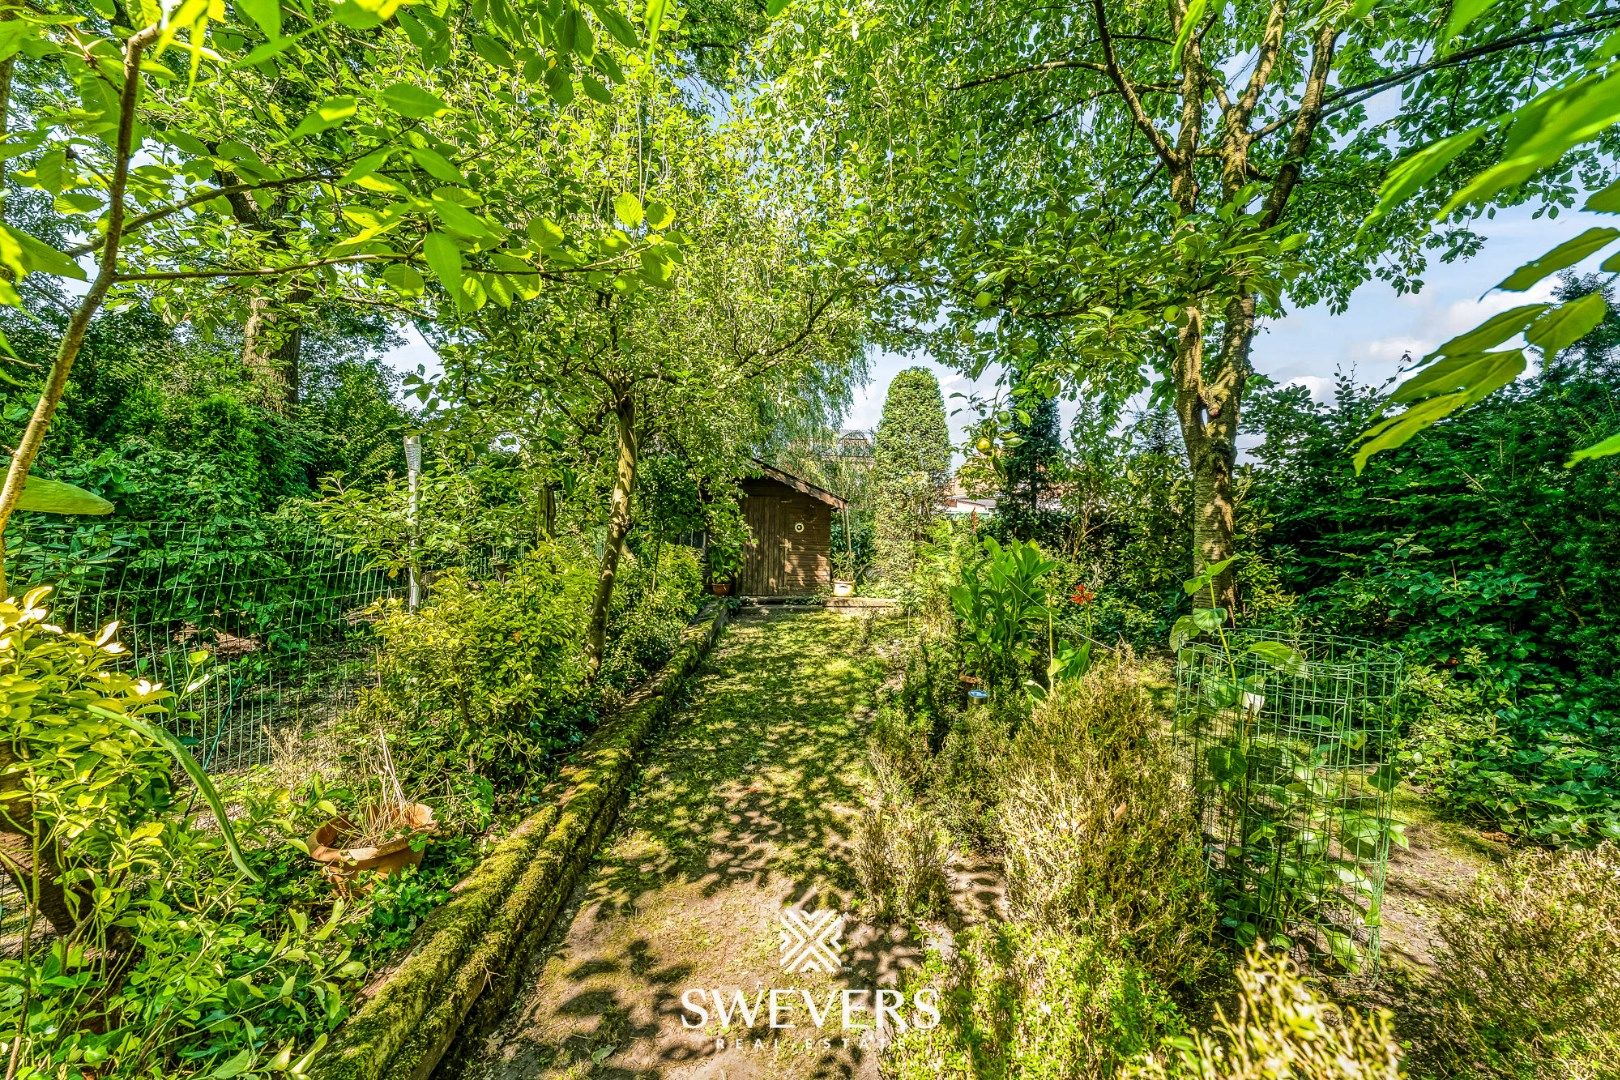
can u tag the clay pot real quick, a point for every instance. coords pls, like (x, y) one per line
(720, 588)
(342, 864)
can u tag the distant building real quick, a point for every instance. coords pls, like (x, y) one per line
(791, 522)
(956, 503)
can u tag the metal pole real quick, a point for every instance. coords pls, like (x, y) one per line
(413, 474)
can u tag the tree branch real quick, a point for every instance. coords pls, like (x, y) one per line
(1133, 101)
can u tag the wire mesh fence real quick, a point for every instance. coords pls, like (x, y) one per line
(272, 610)
(1288, 750)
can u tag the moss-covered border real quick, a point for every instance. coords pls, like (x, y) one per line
(464, 965)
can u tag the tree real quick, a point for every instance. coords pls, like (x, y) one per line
(911, 456)
(394, 161)
(752, 339)
(1139, 181)
(1033, 456)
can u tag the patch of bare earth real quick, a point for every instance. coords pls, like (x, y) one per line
(746, 808)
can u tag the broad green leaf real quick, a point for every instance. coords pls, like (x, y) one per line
(773, 8)
(1481, 380)
(55, 497)
(1412, 172)
(657, 268)
(1606, 448)
(404, 279)
(1463, 12)
(444, 259)
(413, 101)
(24, 254)
(1194, 15)
(459, 219)
(435, 164)
(655, 21)
(493, 51)
(627, 208)
(1606, 201)
(560, 85)
(595, 90)
(660, 215)
(1566, 324)
(328, 114)
(616, 24)
(266, 15)
(1282, 657)
(1564, 255)
(1492, 332)
(1462, 372)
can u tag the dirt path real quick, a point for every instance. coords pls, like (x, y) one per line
(747, 808)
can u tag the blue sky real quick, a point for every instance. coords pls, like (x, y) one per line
(1310, 344)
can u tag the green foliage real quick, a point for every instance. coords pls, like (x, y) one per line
(1001, 608)
(489, 674)
(1475, 550)
(656, 598)
(911, 456)
(1526, 981)
(1281, 1029)
(1019, 1003)
(902, 852)
(1100, 832)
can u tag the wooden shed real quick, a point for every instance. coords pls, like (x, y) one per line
(791, 523)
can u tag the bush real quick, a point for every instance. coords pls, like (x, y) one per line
(1100, 834)
(1022, 1003)
(901, 849)
(1527, 982)
(968, 774)
(653, 601)
(1282, 1031)
(488, 675)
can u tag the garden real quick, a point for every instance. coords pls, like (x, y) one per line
(511, 506)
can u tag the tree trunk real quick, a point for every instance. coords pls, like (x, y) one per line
(17, 853)
(272, 340)
(624, 484)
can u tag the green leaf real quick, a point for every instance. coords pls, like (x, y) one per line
(404, 279)
(655, 22)
(616, 24)
(1182, 632)
(23, 253)
(444, 259)
(627, 208)
(1606, 201)
(1465, 372)
(413, 101)
(1492, 332)
(1566, 254)
(266, 15)
(560, 85)
(595, 90)
(773, 8)
(54, 497)
(1463, 12)
(1566, 324)
(493, 51)
(205, 787)
(328, 114)
(660, 215)
(458, 218)
(1414, 171)
(435, 164)
(1606, 448)
(657, 268)
(1194, 15)
(1282, 657)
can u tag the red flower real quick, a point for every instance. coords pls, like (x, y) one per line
(1082, 595)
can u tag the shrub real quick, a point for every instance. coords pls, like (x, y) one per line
(968, 774)
(1527, 982)
(489, 674)
(1022, 1003)
(1100, 834)
(901, 849)
(1282, 1031)
(653, 601)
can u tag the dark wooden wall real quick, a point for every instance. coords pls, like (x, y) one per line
(784, 560)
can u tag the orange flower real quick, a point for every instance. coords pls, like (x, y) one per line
(1082, 595)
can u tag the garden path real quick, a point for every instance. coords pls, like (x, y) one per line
(747, 807)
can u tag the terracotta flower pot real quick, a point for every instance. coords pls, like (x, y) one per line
(340, 864)
(720, 588)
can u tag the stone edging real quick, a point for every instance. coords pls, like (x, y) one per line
(464, 965)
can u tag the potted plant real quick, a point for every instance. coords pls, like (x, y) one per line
(384, 833)
(727, 535)
(843, 565)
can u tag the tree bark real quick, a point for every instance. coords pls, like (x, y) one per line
(38, 879)
(624, 484)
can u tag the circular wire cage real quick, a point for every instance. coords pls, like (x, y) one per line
(1286, 737)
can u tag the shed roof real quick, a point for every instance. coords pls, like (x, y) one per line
(796, 483)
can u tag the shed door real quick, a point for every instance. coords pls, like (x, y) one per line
(765, 558)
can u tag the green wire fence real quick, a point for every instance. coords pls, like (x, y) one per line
(1292, 775)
